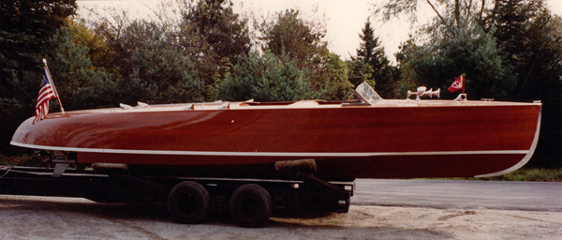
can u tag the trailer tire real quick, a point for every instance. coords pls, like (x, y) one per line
(188, 202)
(250, 206)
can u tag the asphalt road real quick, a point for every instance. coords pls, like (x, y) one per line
(402, 209)
(444, 194)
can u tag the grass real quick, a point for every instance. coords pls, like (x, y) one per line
(529, 174)
(30, 160)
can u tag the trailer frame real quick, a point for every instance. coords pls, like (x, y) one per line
(303, 192)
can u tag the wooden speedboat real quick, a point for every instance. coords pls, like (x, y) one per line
(365, 138)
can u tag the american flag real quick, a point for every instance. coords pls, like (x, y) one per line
(45, 94)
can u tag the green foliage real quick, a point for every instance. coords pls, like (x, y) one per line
(408, 77)
(289, 34)
(472, 52)
(79, 84)
(154, 70)
(457, 10)
(263, 78)
(98, 50)
(507, 21)
(25, 27)
(372, 53)
(524, 174)
(530, 38)
(215, 21)
(30, 160)
(530, 174)
(214, 34)
(330, 77)
(359, 72)
(370, 49)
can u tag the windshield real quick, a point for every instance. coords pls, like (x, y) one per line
(367, 93)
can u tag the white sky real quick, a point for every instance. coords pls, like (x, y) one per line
(344, 18)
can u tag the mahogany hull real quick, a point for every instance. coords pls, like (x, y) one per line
(396, 139)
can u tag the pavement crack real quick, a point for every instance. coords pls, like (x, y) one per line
(465, 213)
(150, 235)
(533, 219)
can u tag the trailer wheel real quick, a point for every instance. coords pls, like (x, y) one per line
(250, 205)
(188, 202)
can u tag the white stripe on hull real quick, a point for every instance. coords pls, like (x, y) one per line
(271, 154)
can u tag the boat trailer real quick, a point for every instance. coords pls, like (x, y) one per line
(249, 201)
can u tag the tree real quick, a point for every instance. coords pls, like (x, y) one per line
(221, 28)
(155, 61)
(79, 84)
(288, 34)
(541, 79)
(530, 38)
(506, 21)
(472, 52)
(222, 36)
(207, 36)
(263, 78)
(456, 10)
(529, 41)
(98, 50)
(154, 69)
(372, 53)
(25, 27)
(359, 72)
(330, 79)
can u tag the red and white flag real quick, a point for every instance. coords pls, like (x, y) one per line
(458, 84)
(46, 93)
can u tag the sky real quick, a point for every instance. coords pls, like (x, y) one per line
(344, 18)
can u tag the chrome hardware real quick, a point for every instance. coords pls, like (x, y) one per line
(142, 105)
(432, 93)
(125, 106)
(461, 97)
(422, 91)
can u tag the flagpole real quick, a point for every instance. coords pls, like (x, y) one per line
(49, 78)
(463, 80)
